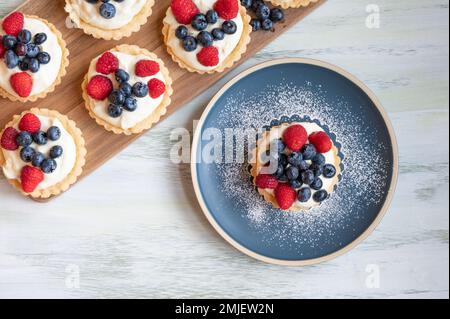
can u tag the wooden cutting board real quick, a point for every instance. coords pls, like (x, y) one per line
(67, 99)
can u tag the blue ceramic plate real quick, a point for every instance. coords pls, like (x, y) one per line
(285, 91)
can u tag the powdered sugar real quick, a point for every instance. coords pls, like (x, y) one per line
(364, 177)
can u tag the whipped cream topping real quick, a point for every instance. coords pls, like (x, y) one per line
(125, 12)
(225, 46)
(330, 158)
(145, 105)
(14, 164)
(48, 73)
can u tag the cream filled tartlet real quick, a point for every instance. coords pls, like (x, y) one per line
(127, 89)
(206, 36)
(33, 57)
(295, 166)
(42, 153)
(109, 20)
(292, 3)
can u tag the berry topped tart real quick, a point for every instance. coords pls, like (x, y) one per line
(42, 153)
(33, 57)
(109, 19)
(295, 166)
(127, 89)
(206, 36)
(292, 3)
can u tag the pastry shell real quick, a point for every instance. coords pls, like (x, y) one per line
(292, 3)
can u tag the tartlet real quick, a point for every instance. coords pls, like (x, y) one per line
(206, 56)
(285, 4)
(33, 57)
(301, 159)
(42, 153)
(128, 17)
(127, 89)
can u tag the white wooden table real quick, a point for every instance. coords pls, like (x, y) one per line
(134, 228)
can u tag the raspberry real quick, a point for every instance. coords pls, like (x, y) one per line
(30, 123)
(146, 68)
(22, 83)
(184, 10)
(295, 137)
(156, 88)
(227, 9)
(266, 181)
(13, 23)
(30, 178)
(99, 87)
(285, 196)
(107, 63)
(2, 48)
(208, 56)
(8, 140)
(321, 142)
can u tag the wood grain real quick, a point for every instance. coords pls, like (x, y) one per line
(67, 99)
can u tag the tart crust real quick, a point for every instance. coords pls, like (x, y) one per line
(70, 179)
(257, 165)
(115, 34)
(233, 57)
(154, 117)
(292, 3)
(62, 69)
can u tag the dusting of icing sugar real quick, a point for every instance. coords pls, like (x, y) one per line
(364, 174)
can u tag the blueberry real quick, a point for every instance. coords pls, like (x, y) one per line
(48, 165)
(107, 11)
(320, 196)
(24, 139)
(122, 76)
(292, 172)
(329, 171)
(212, 16)
(11, 59)
(130, 104)
(205, 38)
(126, 89)
(302, 166)
(24, 36)
(40, 138)
(218, 34)
(20, 49)
(296, 183)
(247, 3)
(32, 50)
(26, 154)
(319, 159)
(256, 3)
(199, 22)
(24, 64)
(229, 27)
(263, 12)
(307, 177)
(278, 145)
(40, 38)
(308, 152)
(56, 151)
(53, 133)
(276, 15)
(189, 43)
(37, 159)
(114, 110)
(295, 159)
(304, 194)
(34, 65)
(256, 24)
(43, 57)
(9, 42)
(116, 97)
(267, 24)
(140, 89)
(317, 169)
(316, 184)
(181, 32)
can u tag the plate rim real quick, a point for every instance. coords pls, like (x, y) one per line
(393, 182)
